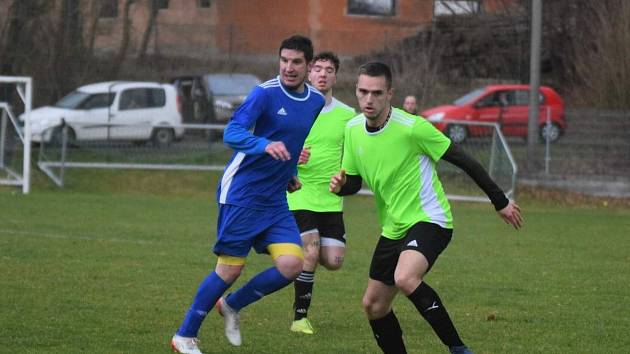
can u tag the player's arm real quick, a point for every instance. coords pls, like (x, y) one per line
(343, 184)
(508, 210)
(238, 135)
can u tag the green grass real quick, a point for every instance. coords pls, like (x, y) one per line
(110, 263)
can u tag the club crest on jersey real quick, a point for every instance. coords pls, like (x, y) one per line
(281, 112)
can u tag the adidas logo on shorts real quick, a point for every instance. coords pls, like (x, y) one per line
(412, 243)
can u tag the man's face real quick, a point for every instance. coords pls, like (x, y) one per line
(293, 67)
(410, 105)
(373, 95)
(323, 76)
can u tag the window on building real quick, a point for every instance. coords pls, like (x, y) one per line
(109, 8)
(456, 7)
(204, 3)
(372, 7)
(160, 4)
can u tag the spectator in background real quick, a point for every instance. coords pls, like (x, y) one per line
(410, 105)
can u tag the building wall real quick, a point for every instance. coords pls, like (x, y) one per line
(256, 27)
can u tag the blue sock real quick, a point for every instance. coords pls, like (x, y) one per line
(264, 283)
(209, 292)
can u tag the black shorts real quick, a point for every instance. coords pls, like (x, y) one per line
(426, 238)
(329, 224)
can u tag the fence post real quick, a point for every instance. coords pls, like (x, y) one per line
(547, 141)
(3, 133)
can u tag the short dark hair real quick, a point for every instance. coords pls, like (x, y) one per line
(376, 68)
(328, 56)
(300, 43)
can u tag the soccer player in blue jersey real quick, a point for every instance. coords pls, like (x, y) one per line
(267, 133)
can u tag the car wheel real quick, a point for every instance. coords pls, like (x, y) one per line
(552, 132)
(163, 137)
(457, 133)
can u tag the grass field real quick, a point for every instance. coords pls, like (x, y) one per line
(110, 263)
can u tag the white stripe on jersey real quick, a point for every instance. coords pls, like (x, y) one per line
(228, 176)
(402, 119)
(428, 197)
(272, 82)
(356, 120)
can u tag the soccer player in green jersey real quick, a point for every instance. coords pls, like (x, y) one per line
(317, 211)
(396, 154)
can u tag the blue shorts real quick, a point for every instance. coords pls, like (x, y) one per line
(239, 229)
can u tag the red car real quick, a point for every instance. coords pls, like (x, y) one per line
(507, 105)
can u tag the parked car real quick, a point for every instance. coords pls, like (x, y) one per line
(507, 105)
(229, 91)
(196, 100)
(213, 97)
(116, 110)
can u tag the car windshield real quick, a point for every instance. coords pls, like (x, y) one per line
(469, 97)
(73, 100)
(231, 85)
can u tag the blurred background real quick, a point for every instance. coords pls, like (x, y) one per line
(439, 51)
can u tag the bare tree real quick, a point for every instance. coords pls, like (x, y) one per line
(146, 36)
(124, 41)
(602, 63)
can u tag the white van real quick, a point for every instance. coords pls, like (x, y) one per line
(115, 110)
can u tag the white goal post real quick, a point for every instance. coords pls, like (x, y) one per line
(12, 130)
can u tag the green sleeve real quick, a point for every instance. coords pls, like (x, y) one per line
(429, 139)
(347, 163)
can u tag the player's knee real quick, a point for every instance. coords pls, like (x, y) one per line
(407, 282)
(331, 256)
(334, 263)
(374, 308)
(288, 258)
(227, 271)
(289, 266)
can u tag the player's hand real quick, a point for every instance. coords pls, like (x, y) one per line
(511, 214)
(278, 151)
(294, 184)
(304, 155)
(337, 181)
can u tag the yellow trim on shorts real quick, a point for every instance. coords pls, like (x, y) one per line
(231, 260)
(285, 249)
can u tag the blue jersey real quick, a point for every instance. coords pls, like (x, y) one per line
(271, 112)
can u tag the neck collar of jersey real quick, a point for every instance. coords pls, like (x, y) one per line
(373, 130)
(303, 96)
(329, 107)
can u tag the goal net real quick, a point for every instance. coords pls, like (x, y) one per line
(15, 143)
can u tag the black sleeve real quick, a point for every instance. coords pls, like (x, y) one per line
(353, 185)
(461, 159)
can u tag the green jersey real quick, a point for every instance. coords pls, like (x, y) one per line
(325, 141)
(398, 163)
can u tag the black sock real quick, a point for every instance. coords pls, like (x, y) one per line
(303, 291)
(430, 306)
(388, 334)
